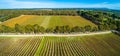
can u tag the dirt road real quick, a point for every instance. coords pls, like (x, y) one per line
(59, 35)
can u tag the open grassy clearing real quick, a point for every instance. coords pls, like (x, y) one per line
(34, 20)
(96, 45)
(17, 20)
(24, 20)
(49, 21)
(76, 21)
(56, 21)
(46, 21)
(69, 20)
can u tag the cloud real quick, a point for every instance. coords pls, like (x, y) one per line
(113, 6)
(97, 5)
(29, 4)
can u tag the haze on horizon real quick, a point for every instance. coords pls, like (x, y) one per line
(112, 4)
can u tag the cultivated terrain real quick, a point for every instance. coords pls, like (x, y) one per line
(59, 32)
(95, 45)
(49, 21)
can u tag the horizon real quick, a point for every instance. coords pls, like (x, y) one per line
(10, 4)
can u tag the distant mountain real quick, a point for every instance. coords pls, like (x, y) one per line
(58, 9)
(117, 12)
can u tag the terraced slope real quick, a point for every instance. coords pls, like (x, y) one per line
(49, 21)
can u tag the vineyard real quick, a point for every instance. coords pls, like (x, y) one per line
(96, 45)
(19, 46)
(48, 21)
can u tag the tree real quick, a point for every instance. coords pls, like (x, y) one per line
(95, 29)
(19, 29)
(49, 30)
(42, 29)
(101, 27)
(62, 29)
(88, 28)
(29, 29)
(106, 27)
(118, 25)
(113, 27)
(67, 29)
(36, 28)
(113, 16)
(75, 29)
(57, 29)
(6, 29)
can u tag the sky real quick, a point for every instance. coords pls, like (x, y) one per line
(112, 4)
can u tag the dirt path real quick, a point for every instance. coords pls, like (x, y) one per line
(45, 22)
(59, 35)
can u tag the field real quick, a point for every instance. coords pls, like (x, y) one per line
(96, 45)
(49, 21)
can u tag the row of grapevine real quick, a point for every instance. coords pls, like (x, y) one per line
(19, 46)
(61, 46)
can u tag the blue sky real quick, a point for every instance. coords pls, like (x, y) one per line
(112, 4)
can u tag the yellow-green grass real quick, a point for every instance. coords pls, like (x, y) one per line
(70, 20)
(76, 21)
(17, 20)
(56, 21)
(24, 20)
(46, 21)
(49, 21)
(34, 20)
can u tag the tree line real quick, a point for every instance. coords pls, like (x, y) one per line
(105, 20)
(8, 14)
(35, 29)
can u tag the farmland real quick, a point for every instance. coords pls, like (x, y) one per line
(49, 21)
(94, 45)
